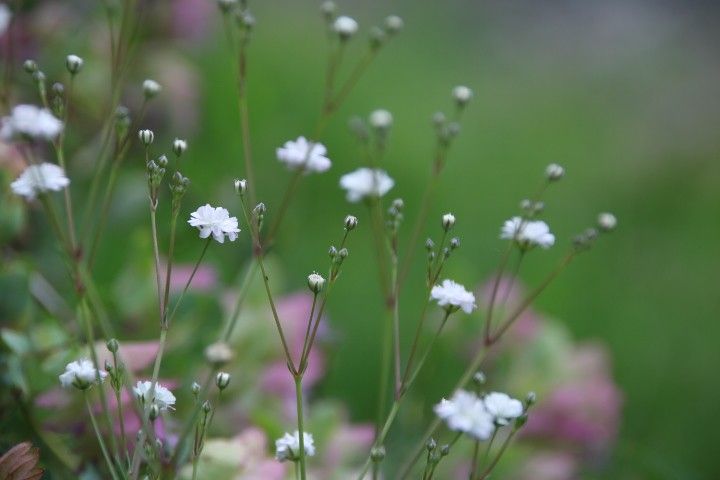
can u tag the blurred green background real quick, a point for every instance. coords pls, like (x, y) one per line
(624, 94)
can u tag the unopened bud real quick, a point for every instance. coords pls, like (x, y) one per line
(530, 399)
(30, 66)
(218, 353)
(332, 251)
(606, 222)
(381, 119)
(162, 162)
(448, 221)
(479, 378)
(154, 412)
(195, 388)
(74, 64)
(429, 245)
(462, 95)
(315, 282)
(345, 27)
(350, 222)
(112, 345)
(240, 186)
(454, 243)
(222, 380)
(431, 444)
(146, 137)
(179, 146)
(206, 407)
(343, 253)
(377, 454)
(444, 450)
(393, 24)
(150, 88)
(226, 5)
(328, 9)
(377, 37)
(554, 172)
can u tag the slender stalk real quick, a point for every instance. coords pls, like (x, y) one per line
(98, 435)
(500, 453)
(121, 417)
(244, 286)
(305, 351)
(168, 273)
(156, 255)
(384, 375)
(189, 281)
(425, 356)
(245, 118)
(300, 423)
(493, 294)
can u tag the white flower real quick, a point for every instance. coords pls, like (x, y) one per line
(607, 222)
(316, 282)
(502, 407)
(151, 88)
(163, 398)
(345, 26)
(73, 63)
(32, 122)
(301, 154)
(38, 179)
(366, 182)
(466, 413)
(287, 447)
(380, 119)
(527, 233)
(462, 94)
(453, 296)
(81, 374)
(5, 16)
(215, 221)
(554, 172)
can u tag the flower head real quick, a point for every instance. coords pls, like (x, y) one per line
(163, 398)
(366, 182)
(287, 447)
(527, 233)
(39, 179)
(301, 154)
(81, 374)
(73, 63)
(452, 296)
(607, 222)
(345, 26)
(502, 407)
(466, 413)
(31, 122)
(215, 221)
(380, 119)
(151, 88)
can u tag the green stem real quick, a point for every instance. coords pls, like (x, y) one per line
(244, 286)
(301, 434)
(168, 273)
(108, 461)
(500, 453)
(189, 281)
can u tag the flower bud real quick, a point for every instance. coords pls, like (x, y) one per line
(179, 146)
(448, 221)
(350, 222)
(58, 88)
(150, 88)
(30, 66)
(462, 95)
(398, 204)
(146, 136)
(195, 388)
(521, 420)
(429, 245)
(345, 27)
(530, 399)
(454, 243)
(554, 172)
(226, 5)
(222, 380)
(218, 353)
(343, 253)
(479, 378)
(381, 119)
(431, 444)
(74, 64)
(377, 454)
(393, 24)
(260, 209)
(240, 186)
(206, 407)
(377, 37)
(328, 9)
(112, 345)
(332, 251)
(606, 222)
(162, 161)
(315, 282)
(438, 119)
(154, 412)
(445, 450)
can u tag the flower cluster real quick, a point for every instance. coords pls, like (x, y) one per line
(161, 396)
(527, 233)
(366, 182)
(304, 155)
(30, 122)
(453, 296)
(81, 374)
(216, 221)
(478, 417)
(287, 447)
(41, 178)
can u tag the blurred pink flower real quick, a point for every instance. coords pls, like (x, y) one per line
(205, 279)
(135, 355)
(191, 19)
(549, 466)
(583, 410)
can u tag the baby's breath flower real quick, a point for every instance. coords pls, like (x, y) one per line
(366, 182)
(40, 178)
(81, 374)
(240, 186)
(301, 154)
(381, 119)
(466, 413)
(151, 88)
(554, 172)
(222, 380)
(448, 221)
(527, 233)
(607, 222)
(179, 146)
(30, 122)
(216, 221)
(351, 222)
(287, 447)
(345, 26)
(393, 24)
(163, 398)
(502, 407)
(146, 136)
(453, 296)
(218, 353)
(74, 64)
(462, 95)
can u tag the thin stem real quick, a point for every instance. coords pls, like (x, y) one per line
(245, 118)
(500, 453)
(309, 326)
(384, 375)
(244, 286)
(156, 255)
(171, 251)
(169, 319)
(121, 417)
(425, 356)
(493, 294)
(301, 431)
(100, 440)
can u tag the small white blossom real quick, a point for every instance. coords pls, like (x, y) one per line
(216, 221)
(393, 24)
(287, 447)
(466, 413)
(345, 26)
(163, 398)
(5, 17)
(448, 221)
(301, 154)
(151, 88)
(462, 94)
(381, 119)
(554, 172)
(179, 146)
(31, 122)
(607, 222)
(502, 407)
(452, 296)
(40, 178)
(81, 374)
(366, 182)
(316, 282)
(527, 233)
